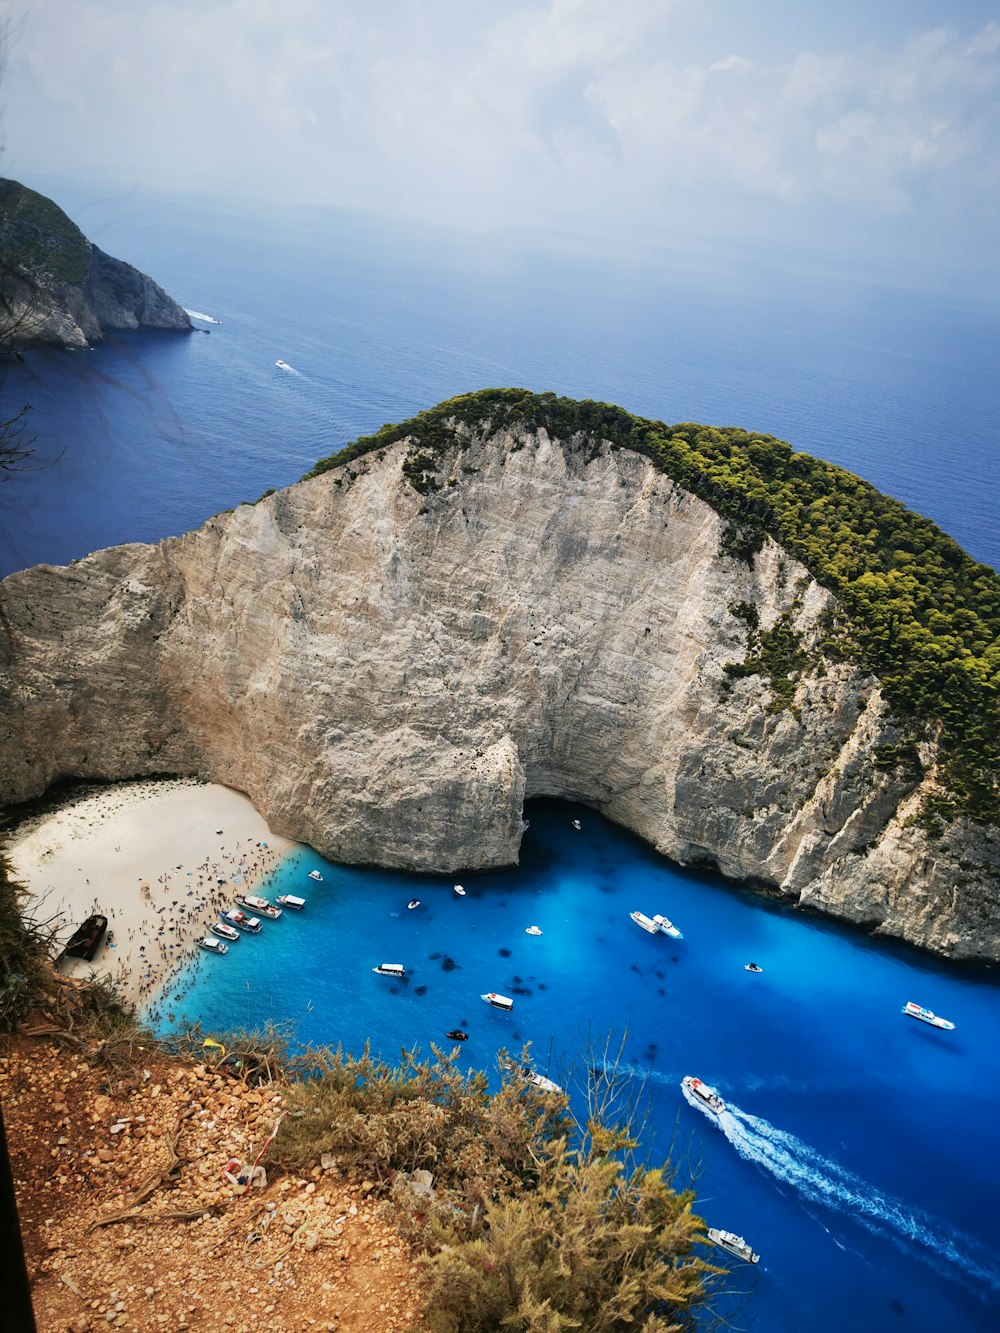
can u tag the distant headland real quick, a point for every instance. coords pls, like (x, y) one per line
(59, 289)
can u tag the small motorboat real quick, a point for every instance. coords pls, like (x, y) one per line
(390, 970)
(752, 967)
(532, 930)
(290, 900)
(576, 824)
(241, 921)
(314, 874)
(457, 1034)
(414, 902)
(211, 945)
(86, 939)
(497, 1001)
(539, 1080)
(704, 1096)
(259, 905)
(728, 1240)
(926, 1016)
(666, 927)
(459, 890)
(645, 922)
(224, 932)
(282, 365)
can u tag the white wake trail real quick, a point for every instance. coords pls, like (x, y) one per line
(205, 319)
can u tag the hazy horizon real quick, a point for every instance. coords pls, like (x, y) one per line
(863, 137)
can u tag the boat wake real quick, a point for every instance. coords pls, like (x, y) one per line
(824, 1181)
(205, 319)
(283, 365)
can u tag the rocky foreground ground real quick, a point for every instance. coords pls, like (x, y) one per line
(129, 1221)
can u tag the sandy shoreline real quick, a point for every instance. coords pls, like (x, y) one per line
(157, 858)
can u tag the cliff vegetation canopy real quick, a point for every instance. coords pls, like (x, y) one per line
(918, 611)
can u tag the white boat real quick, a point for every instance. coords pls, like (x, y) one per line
(211, 945)
(729, 1240)
(926, 1016)
(645, 922)
(540, 1081)
(414, 902)
(290, 900)
(390, 970)
(752, 967)
(459, 890)
(497, 1001)
(576, 824)
(241, 921)
(224, 932)
(314, 874)
(532, 930)
(260, 905)
(282, 365)
(704, 1096)
(667, 927)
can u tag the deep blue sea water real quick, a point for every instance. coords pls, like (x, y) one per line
(861, 1156)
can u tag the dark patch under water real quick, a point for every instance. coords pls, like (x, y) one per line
(504, 953)
(420, 990)
(448, 964)
(433, 957)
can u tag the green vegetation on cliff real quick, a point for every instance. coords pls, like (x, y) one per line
(919, 612)
(38, 239)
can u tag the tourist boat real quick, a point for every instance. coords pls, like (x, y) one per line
(282, 365)
(290, 900)
(314, 874)
(457, 1034)
(224, 932)
(414, 902)
(752, 967)
(645, 922)
(667, 927)
(497, 1001)
(532, 930)
(926, 1016)
(705, 1096)
(241, 921)
(539, 1080)
(390, 970)
(729, 1240)
(459, 890)
(260, 905)
(576, 824)
(86, 939)
(211, 945)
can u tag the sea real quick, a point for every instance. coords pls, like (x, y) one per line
(859, 1150)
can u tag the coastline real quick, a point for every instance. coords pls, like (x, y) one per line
(158, 858)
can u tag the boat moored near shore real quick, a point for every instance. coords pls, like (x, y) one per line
(926, 1016)
(667, 927)
(224, 932)
(728, 1240)
(211, 945)
(645, 922)
(241, 921)
(258, 905)
(291, 900)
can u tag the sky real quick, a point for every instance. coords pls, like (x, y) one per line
(863, 130)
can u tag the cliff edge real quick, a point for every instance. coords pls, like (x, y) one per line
(391, 656)
(60, 289)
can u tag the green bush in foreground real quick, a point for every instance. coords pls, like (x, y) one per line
(533, 1223)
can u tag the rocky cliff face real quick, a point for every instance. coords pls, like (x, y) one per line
(56, 287)
(388, 675)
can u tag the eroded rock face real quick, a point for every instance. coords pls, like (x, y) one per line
(389, 675)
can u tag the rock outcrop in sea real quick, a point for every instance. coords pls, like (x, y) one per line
(60, 289)
(390, 668)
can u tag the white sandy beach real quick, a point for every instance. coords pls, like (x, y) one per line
(157, 858)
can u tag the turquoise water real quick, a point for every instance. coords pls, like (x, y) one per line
(859, 1152)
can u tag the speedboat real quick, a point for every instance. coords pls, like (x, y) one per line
(290, 900)
(211, 945)
(497, 1001)
(729, 1240)
(282, 365)
(314, 874)
(241, 921)
(459, 890)
(667, 927)
(752, 967)
(457, 1034)
(86, 939)
(224, 932)
(576, 824)
(539, 1080)
(926, 1016)
(414, 902)
(706, 1097)
(532, 930)
(260, 905)
(645, 922)
(390, 970)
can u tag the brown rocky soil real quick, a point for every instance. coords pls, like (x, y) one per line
(129, 1221)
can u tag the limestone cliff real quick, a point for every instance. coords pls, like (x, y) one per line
(389, 674)
(56, 287)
